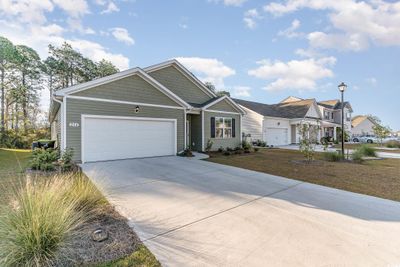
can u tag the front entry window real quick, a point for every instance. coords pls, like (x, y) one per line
(223, 127)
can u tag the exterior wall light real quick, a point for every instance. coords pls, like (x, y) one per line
(137, 109)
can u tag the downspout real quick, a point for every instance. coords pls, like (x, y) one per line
(62, 122)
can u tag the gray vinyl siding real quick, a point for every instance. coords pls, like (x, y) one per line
(217, 143)
(179, 84)
(223, 106)
(131, 89)
(195, 134)
(77, 107)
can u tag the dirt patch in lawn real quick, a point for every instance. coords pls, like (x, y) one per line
(379, 178)
(121, 241)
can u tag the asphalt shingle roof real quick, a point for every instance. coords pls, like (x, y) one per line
(290, 110)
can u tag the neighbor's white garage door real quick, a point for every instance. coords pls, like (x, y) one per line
(276, 136)
(110, 138)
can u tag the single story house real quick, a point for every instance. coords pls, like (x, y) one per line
(156, 111)
(362, 125)
(278, 124)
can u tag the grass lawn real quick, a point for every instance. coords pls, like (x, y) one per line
(13, 160)
(142, 257)
(377, 146)
(379, 178)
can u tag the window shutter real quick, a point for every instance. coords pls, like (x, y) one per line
(212, 127)
(233, 128)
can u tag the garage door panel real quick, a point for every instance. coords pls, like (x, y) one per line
(276, 136)
(111, 138)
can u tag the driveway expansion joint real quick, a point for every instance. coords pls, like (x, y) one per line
(222, 211)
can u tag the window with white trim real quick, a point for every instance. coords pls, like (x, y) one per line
(223, 127)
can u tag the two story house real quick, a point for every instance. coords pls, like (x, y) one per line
(331, 111)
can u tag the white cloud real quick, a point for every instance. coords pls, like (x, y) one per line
(250, 18)
(241, 91)
(111, 7)
(372, 81)
(229, 2)
(75, 24)
(74, 8)
(296, 74)
(27, 11)
(343, 42)
(291, 31)
(183, 26)
(356, 24)
(208, 69)
(122, 35)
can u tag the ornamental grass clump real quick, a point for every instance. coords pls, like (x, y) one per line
(332, 156)
(367, 151)
(40, 216)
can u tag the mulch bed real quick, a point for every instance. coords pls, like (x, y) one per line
(121, 241)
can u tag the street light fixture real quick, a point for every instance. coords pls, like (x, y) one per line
(342, 87)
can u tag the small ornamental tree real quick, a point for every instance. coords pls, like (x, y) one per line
(381, 132)
(307, 134)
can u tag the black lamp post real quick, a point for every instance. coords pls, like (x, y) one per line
(342, 87)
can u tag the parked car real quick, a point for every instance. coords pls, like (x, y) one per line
(368, 139)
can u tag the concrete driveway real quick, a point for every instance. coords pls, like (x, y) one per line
(190, 212)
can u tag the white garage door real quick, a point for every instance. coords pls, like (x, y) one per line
(110, 138)
(276, 136)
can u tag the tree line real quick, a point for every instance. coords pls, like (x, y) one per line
(24, 75)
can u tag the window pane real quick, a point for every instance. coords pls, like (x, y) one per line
(228, 123)
(219, 122)
(218, 133)
(228, 133)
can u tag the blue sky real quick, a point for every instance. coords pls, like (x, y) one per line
(258, 50)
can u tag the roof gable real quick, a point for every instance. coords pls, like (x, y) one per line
(224, 103)
(118, 76)
(181, 81)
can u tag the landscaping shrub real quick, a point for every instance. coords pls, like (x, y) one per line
(332, 156)
(44, 159)
(367, 151)
(66, 160)
(209, 145)
(221, 149)
(14, 139)
(227, 153)
(229, 149)
(357, 156)
(256, 149)
(186, 153)
(39, 218)
(246, 145)
(260, 143)
(393, 144)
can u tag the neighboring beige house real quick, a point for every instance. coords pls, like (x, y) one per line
(332, 117)
(278, 124)
(156, 111)
(362, 125)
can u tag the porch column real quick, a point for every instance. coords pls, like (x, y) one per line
(334, 133)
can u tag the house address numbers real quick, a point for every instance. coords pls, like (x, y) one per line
(73, 124)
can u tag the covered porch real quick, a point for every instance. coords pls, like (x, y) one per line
(296, 124)
(329, 129)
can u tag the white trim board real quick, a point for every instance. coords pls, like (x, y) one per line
(219, 111)
(121, 102)
(230, 101)
(84, 116)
